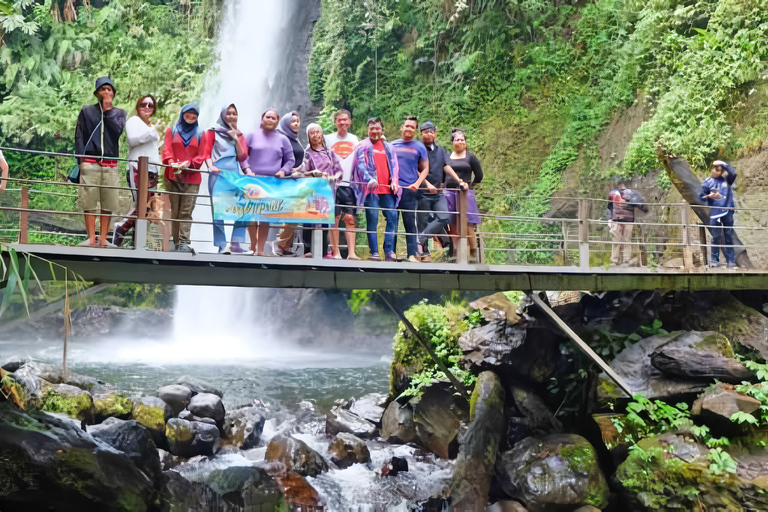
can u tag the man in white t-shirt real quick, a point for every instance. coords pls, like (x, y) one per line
(4, 169)
(343, 144)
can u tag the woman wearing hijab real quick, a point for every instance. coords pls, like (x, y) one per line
(224, 149)
(143, 140)
(269, 154)
(320, 162)
(289, 126)
(183, 157)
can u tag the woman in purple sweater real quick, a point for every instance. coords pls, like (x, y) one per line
(269, 154)
(319, 162)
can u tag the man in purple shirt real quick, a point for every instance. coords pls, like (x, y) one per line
(413, 162)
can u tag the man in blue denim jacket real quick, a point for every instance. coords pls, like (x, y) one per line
(717, 190)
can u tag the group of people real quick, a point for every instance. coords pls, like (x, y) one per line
(408, 178)
(624, 205)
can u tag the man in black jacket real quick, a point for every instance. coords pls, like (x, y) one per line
(97, 138)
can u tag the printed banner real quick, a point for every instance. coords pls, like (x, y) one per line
(274, 200)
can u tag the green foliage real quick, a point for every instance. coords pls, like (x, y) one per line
(358, 299)
(441, 327)
(721, 462)
(609, 344)
(71, 405)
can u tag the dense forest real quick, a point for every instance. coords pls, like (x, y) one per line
(534, 83)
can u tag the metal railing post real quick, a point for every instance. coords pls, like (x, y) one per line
(703, 244)
(462, 255)
(24, 217)
(141, 229)
(687, 249)
(317, 242)
(583, 235)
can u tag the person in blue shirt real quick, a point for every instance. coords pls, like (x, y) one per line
(717, 191)
(413, 162)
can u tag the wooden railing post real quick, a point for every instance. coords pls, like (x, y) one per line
(24, 217)
(583, 234)
(142, 225)
(462, 203)
(687, 249)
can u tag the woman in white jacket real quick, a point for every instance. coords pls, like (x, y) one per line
(143, 140)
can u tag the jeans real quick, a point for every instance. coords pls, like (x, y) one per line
(374, 202)
(219, 236)
(409, 202)
(722, 234)
(432, 219)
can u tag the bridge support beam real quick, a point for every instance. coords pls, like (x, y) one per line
(581, 344)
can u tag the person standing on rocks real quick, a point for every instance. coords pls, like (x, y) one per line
(717, 191)
(343, 143)
(97, 136)
(622, 203)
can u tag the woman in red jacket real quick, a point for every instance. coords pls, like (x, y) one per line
(183, 154)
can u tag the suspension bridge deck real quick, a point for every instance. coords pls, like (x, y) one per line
(178, 268)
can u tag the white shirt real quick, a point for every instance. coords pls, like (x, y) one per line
(344, 147)
(143, 140)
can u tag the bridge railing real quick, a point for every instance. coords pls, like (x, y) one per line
(45, 211)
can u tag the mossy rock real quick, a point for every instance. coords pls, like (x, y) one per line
(442, 326)
(69, 400)
(153, 413)
(115, 405)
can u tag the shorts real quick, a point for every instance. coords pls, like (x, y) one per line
(346, 202)
(473, 213)
(92, 198)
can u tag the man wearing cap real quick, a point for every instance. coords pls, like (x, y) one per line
(97, 136)
(433, 209)
(717, 191)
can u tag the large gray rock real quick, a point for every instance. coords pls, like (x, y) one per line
(198, 386)
(48, 464)
(208, 405)
(369, 407)
(243, 426)
(347, 449)
(397, 424)
(176, 396)
(560, 470)
(183, 495)
(341, 420)
(437, 416)
(192, 438)
(133, 439)
(474, 468)
(207, 439)
(634, 364)
(711, 358)
(295, 455)
(527, 416)
(33, 385)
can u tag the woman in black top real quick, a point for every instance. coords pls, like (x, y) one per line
(467, 167)
(289, 126)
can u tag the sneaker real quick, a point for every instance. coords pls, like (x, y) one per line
(236, 249)
(374, 257)
(391, 257)
(733, 266)
(225, 250)
(118, 235)
(716, 264)
(424, 257)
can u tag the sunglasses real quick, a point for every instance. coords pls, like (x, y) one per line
(147, 104)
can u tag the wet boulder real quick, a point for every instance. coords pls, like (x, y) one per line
(38, 449)
(397, 424)
(153, 413)
(208, 405)
(33, 385)
(198, 386)
(527, 416)
(186, 415)
(298, 492)
(176, 396)
(474, 468)
(347, 449)
(437, 416)
(341, 420)
(369, 407)
(241, 486)
(134, 440)
(71, 400)
(181, 494)
(295, 455)
(560, 470)
(243, 427)
(192, 438)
